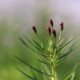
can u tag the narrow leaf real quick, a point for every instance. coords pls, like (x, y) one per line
(65, 54)
(45, 77)
(38, 49)
(44, 62)
(25, 44)
(59, 43)
(31, 66)
(25, 74)
(69, 74)
(33, 44)
(73, 75)
(38, 45)
(65, 44)
(35, 78)
(35, 53)
(29, 40)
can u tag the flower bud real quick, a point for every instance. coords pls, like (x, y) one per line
(51, 22)
(54, 33)
(34, 29)
(61, 25)
(49, 30)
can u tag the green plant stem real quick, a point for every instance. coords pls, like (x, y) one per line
(55, 41)
(52, 78)
(52, 71)
(59, 36)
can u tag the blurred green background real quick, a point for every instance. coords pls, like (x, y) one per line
(17, 18)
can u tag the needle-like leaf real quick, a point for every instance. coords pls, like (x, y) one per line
(25, 74)
(31, 66)
(70, 73)
(44, 62)
(66, 44)
(38, 44)
(25, 44)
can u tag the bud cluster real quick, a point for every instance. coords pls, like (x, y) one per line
(50, 30)
(51, 52)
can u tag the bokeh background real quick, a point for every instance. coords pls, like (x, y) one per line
(17, 18)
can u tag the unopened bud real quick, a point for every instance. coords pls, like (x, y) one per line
(61, 25)
(34, 29)
(51, 22)
(49, 30)
(54, 33)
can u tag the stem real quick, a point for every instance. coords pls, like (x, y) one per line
(52, 74)
(55, 41)
(52, 78)
(59, 36)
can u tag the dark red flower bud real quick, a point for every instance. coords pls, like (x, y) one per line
(51, 22)
(54, 33)
(61, 25)
(34, 29)
(49, 30)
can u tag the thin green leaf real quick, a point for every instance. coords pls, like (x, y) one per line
(44, 62)
(59, 64)
(59, 43)
(66, 44)
(25, 44)
(44, 58)
(69, 74)
(25, 74)
(28, 45)
(38, 44)
(73, 75)
(35, 78)
(28, 40)
(35, 53)
(66, 54)
(31, 66)
(45, 77)
(63, 55)
(38, 49)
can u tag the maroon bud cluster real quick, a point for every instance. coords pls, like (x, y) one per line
(49, 30)
(54, 33)
(51, 22)
(34, 29)
(61, 25)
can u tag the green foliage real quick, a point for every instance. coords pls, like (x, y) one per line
(50, 57)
